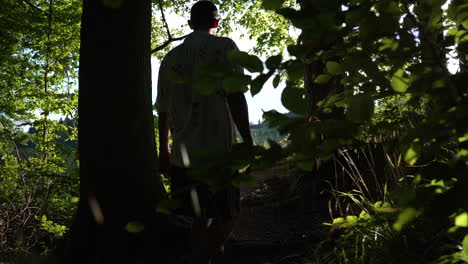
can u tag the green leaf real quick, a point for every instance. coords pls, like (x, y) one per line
(351, 219)
(411, 156)
(389, 43)
(205, 86)
(461, 36)
(398, 82)
(165, 206)
(274, 62)
(369, 27)
(393, 8)
(295, 70)
(388, 7)
(306, 165)
(258, 83)
(459, 12)
(289, 13)
(353, 17)
(463, 138)
(360, 108)
(334, 68)
(404, 218)
(463, 153)
(461, 220)
(236, 83)
(323, 78)
(364, 215)
(328, 146)
(297, 50)
(306, 22)
(338, 220)
(276, 81)
(275, 119)
(251, 62)
(294, 100)
(465, 246)
(465, 23)
(272, 4)
(134, 227)
(463, 47)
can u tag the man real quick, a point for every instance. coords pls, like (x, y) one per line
(200, 121)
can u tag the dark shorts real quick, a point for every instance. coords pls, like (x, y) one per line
(217, 199)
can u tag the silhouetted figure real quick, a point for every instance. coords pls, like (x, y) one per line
(200, 122)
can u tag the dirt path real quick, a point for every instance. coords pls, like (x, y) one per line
(274, 225)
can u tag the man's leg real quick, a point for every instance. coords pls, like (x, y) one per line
(209, 234)
(199, 242)
(221, 230)
(228, 210)
(208, 237)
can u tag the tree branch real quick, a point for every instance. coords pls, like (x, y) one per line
(166, 43)
(28, 3)
(168, 31)
(164, 20)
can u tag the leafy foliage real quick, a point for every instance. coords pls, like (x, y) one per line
(262, 134)
(38, 170)
(359, 73)
(270, 32)
(379, 73)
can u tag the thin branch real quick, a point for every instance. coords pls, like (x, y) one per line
(28, 3)
(46, 71)
(168, 31)
(169, 36)
(18, 157)
(166, 43)
(15, 146)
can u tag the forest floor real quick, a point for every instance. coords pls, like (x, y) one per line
(275, 225)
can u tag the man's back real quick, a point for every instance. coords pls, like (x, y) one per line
(198, 121)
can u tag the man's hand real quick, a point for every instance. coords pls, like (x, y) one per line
(164, 160)
(240, 115)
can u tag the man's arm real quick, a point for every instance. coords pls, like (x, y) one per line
(240, 115)
(163, 127)
(237, 103)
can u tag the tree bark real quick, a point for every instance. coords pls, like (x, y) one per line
(116, 145)
(313, 68)
(314, 94)
(311, 71)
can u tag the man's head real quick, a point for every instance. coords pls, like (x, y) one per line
(203, 16)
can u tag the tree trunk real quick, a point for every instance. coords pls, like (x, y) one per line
(116, 138)
(312, 68)
(314, 94)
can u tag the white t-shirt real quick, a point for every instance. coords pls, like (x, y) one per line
(199, 122)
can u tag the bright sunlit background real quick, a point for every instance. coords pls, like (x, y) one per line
(269, 98)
